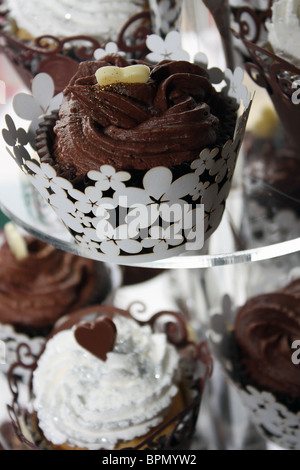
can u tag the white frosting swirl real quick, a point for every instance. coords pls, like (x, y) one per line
(89, 403)
(284, 30)
(102, 19)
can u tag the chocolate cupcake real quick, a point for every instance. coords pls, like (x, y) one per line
(44, 284)
(140, 156)
(263, 353)
(266, 328)
(159, 129)
(99, 19)
(135, 367)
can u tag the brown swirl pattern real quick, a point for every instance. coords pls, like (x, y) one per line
(265, 328)
(37, 290)
(166, 121)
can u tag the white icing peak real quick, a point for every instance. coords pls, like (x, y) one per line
(284, 30)
(89, 403)
(102, 19)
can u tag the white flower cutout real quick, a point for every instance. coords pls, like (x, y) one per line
(162, 238)
(87, 201)
(115, 239)
(110, 48)
(168, 48)
(236, 88)
(44, 177)
(40, 103)
(107, 177)
(161, 196)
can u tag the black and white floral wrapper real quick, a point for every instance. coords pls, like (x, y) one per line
(202, 185)
(228, 289)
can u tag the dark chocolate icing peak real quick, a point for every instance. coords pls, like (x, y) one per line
(266, 327)
(166, 121)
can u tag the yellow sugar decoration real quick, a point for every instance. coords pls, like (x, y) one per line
(16, 242)
(110, 74)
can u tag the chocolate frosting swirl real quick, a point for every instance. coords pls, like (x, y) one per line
(265, 329)
(37, 290)
(166, 121)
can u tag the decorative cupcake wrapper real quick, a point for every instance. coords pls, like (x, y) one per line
(279, 77)
(273, 419)
(250, 20)
(114, 219)
(197, 370)
(10, 340)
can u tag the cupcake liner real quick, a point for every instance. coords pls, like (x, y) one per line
(135, 215)
(278, 76)
(249, 20)
(175, 434)
(10, 340)
(274, 412)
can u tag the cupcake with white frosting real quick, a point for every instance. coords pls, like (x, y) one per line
(101, 19)
(284, 30)
(107, 382)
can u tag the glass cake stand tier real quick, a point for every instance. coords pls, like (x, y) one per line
(21, 203)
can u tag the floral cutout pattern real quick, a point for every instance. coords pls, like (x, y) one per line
(39, 104)
(11, 339)
(168, 48)
(103, 217)
(272, 418)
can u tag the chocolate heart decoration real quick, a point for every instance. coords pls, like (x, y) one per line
(97, 337)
